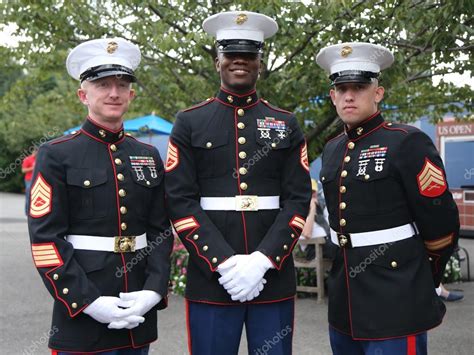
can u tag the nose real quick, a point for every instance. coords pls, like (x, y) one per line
(114, 91)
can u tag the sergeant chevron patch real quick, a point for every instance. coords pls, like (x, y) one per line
(304, 157)
(40, 197)
(46, 255)
(172, 157)
(431, 181)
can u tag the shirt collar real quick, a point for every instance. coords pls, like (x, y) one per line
(365, 127)
(102, 133)
(237, 100)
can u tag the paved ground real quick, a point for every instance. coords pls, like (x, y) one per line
(25, 305)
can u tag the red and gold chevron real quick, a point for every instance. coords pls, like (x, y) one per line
(185, 223)
(297, 222)
(172, 157)
(40, 197)
(431, 181)
(304, 157)
(46, 255)
(440, 243)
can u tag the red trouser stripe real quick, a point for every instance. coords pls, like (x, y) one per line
(411, 345)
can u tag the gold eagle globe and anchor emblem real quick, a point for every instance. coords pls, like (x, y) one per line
(112, 47)
(241, 18)
(346, 51)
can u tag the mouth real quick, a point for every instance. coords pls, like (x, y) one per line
(350, 108)
(239, 71)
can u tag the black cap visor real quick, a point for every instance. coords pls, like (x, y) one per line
(239, 46)
(102, 71)
(352, 76)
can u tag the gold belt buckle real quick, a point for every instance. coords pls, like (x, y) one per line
(124, 244)
(344, 240)
(246, 203)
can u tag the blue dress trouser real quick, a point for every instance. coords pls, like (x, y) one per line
(343, 344)
(128, 351)
(216, 329)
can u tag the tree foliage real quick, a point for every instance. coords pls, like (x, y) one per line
(428, 38)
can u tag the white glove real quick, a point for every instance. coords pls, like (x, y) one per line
(254, 293)
(106, 309)
(227, 265)
(245, 276)
(140, 302)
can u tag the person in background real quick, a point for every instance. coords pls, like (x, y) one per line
(27, 167)
(391, 214)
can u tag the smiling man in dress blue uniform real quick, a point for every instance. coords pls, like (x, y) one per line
(390, 211)
(100, 235)
(238, 191)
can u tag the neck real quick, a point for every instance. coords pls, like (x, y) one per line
(113, 125)
(238, 91)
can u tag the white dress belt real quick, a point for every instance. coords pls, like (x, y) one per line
(373, 238)
(240, 203)
(119, 244)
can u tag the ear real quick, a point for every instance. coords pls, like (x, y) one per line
(217, 64)
(332, 93)
(132, 94)
(82, 95)
(379, 92)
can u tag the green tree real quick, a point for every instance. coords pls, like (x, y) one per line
(177, 68)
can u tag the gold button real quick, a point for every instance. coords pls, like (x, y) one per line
(55, 276)
(430, 258)
(278, 259)
(393, 264)
(205, 247)
(65, 291)
(243, 171)
(121, 134)
(242, 140)
(240, 112)
(122, 193)
(344, 173)
(347, 159)
(366, 177)
(249, 99)
(120, 177)
(123, 226)
(285, 247)
(74, 305)
(351, 145)
(195, 236)
(113, 147)
(342, 222)
(342, 205)
(148, 183)
(102, 133)
(123, 210)
(240, 125)
(208, 144)
(323, 178)
(274, 145)
(242, 155)
(359, 131)
(243, 186)
(118, 161)
(389, 124)
(214, 260)
(230, 98)
(293, 235)
(342, 189)
(87, 183)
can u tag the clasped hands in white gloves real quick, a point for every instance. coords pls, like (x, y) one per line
(242, 275)
(124, 312)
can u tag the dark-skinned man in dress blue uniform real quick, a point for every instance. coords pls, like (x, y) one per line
(390, 211)
(238, 191)
(100, 234)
